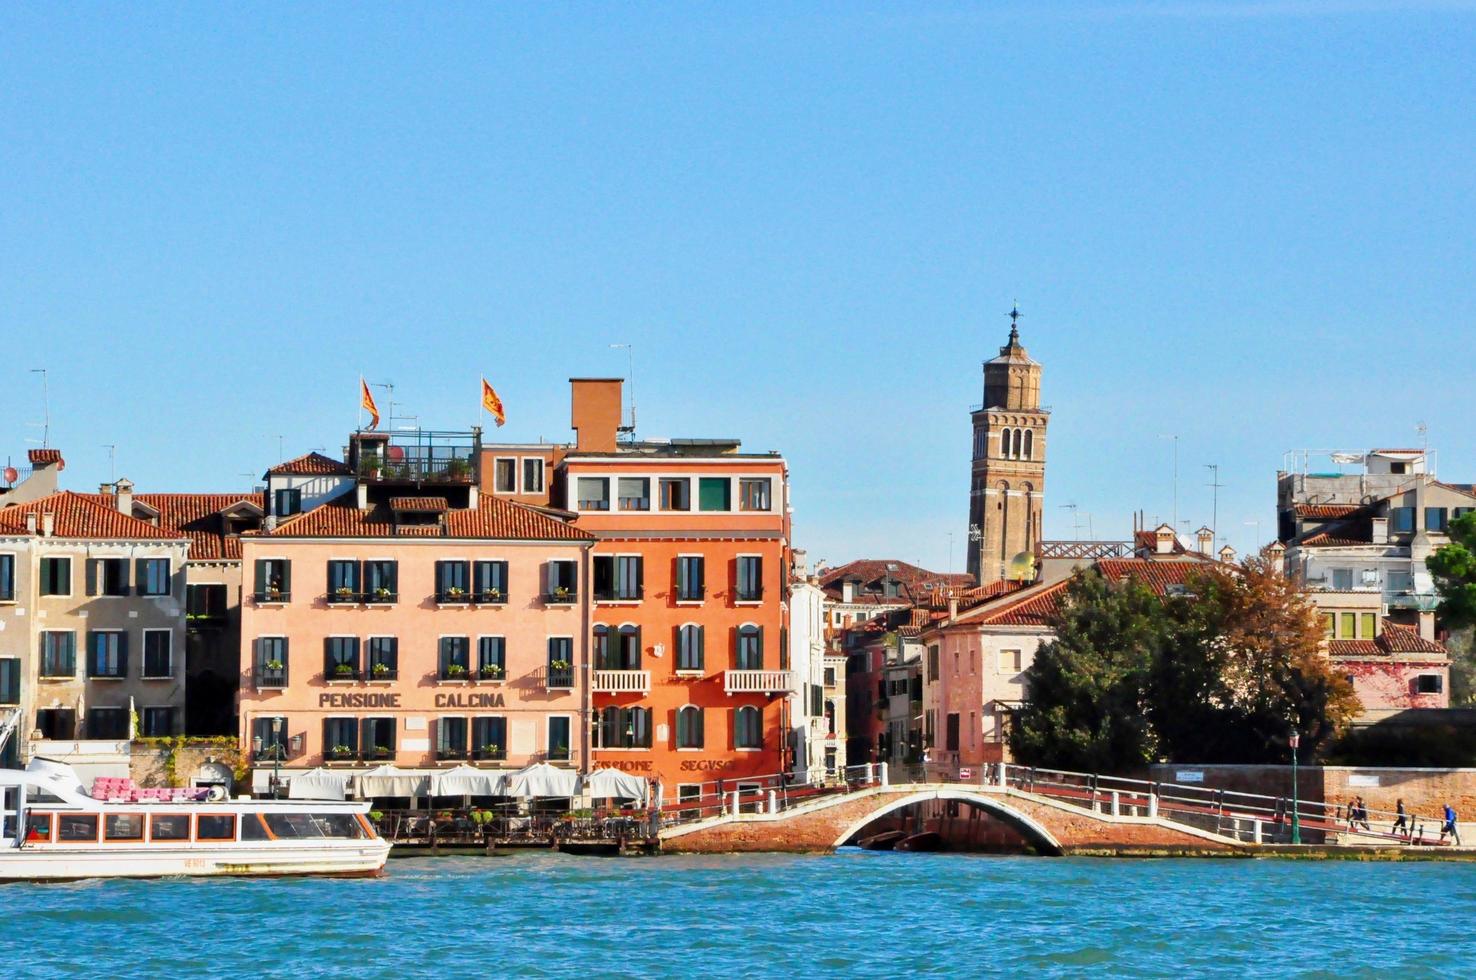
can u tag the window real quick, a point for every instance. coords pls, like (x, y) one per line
(58, 653)
(1461, 511)
(1348, 626)
(205, 603)
(748, 728)
(158, 660)
(343, 581)
(689, 728)
(56, 576)
(505, 476)
(76, 827)
(1436, 518)
(269, 737)
(750, 578)
(384, 658)
(560, 662)
(830, 677)
(273, 579)
(532, 475)
(689, 579)
(932, 665)
(491, 657)
(107, 722)
(1399, 581)
(453, 581)
(341, 658)
(1429, 684)
(271, 662)
(623, 728)
(1342, 579)
(754, 494)
(1029, 444)
(489, 582)
(676, 493)
(1009, 661)
(750, 653)
(451, 738)
(489, 738)
(107, 576)
(7, 578)
(714, 493)
(57, 723)
(1402, 520)
(594, 492)
(10, 671)
(618, 578)
(690, 655)
(107, 654)
(381, 580)
(950, 735)
(1367, 627)
(379, 738)
(689, 792)
(635, 493)
(563, 581)
(169, 826)
(340, 738)
(618, 649)
(215, 826)
(287, 501)
(157, 722)
(558, 738)
(455, 658)
(153, 576)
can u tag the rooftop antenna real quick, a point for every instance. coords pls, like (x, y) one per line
(45, 408)
(280, 454)
(389, 401)
(250, 478)
(630, 375)
(1215, 486)
(1175, 438)
(112, 461)
(1075, 520)
(950, 552)
(1424, 431)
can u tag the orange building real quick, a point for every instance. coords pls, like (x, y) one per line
(689, 667)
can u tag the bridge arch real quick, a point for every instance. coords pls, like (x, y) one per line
(1032, 830)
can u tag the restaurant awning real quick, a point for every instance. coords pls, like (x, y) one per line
(468, 781)
(543, 780)
(605, 783)
(391, 781)
(318, 784)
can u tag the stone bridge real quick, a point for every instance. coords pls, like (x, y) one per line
(1051, 826)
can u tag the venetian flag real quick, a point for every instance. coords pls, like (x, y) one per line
(367, 403)
(492, 403)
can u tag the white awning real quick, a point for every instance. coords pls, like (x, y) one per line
(543, 780)
(468, 781)
(603, 783)
(391, 781)
(318, 784)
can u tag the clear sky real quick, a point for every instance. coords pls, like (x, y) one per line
(1250, 225)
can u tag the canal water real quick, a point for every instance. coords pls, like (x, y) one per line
(853, 913)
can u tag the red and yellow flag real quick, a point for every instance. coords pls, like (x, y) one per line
(492, 403)
(367, 402)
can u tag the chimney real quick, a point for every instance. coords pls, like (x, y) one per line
(472, 497)
(125, 496)
(1227, 555)
(595, 413)
(1163, 540)
(1205, 540)
(31, 523)
(798, 557)
(361, 496)
(952, 606)
(848, 591)
(48, 523)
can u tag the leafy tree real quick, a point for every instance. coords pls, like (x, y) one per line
(1454, 569)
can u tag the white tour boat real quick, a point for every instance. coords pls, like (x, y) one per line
(51, 828)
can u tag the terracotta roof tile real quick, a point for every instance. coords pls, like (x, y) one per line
(419, 505)
(1037, 605)
(1397, 638)
(914, 581)
(198, 516)
(494, 518)
(1326, 512)
(40, 457)
(76, 516)
(312, 464)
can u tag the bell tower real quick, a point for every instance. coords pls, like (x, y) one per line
(1007, 483)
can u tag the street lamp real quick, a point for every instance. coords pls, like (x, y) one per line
(1295, 741)
(276, 757)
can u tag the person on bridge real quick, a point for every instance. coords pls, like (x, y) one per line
(1401, 819)
(1360, 815)
(1450, 826)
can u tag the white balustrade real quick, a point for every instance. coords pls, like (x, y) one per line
(622, 681)
(757, 681)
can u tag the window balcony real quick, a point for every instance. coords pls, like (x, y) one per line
(691, 595)
(613, 595)
(343, 597)
(450, 755)
(559, 679)
(454, 672)
(491, 672)
(271, 676)
(490, 597)
(489, 753)
(382, 672)
(272, 597)
(340, 753)
(205, 621)
(340, 672)
(758, 682)
(453, 597)
(560, 597)
(622, 682)
(380, 597)
(753, 595)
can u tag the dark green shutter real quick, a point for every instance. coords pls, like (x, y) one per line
(141, 576)
(261, 577)
(91, 566)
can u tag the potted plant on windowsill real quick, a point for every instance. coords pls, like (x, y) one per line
(381, 671)
(491, 672)
(490, 753)
(558, 665)
(562, 594)
(344, 671)
(343, 593)
(341, 752)
(491, 595)
(455, 672)
(454, 594)
(380, 752)
(383, 594)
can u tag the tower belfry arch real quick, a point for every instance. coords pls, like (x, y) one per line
(1007, 478)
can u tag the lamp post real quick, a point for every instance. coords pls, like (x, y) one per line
(1296, 741)
(276, 758)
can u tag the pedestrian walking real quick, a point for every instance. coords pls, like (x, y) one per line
(1362, 815)
(1401, 819)
(1449, 827)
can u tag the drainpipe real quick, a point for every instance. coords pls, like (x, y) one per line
(586, 698)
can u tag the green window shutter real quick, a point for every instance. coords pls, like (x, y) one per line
(141, 575)
(712, 493)
(261, 577)
(91, 567)
(287, 576)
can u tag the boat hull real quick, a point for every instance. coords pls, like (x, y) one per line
(363, 858)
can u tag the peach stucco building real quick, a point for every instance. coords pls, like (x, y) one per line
(416, 622)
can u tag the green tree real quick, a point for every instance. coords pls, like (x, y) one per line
(1454, 569)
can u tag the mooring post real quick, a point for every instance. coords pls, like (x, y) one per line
(735, 802)
(1116, 804)
(773, 802)
(882, 773)
(1153, 802)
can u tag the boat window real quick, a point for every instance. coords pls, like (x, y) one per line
(123, 827)
(215, 826)
(252, 828)
(291, 826)
(75, 827)
(38, 827)
(341, 825)
(169, 826)
(35, 795)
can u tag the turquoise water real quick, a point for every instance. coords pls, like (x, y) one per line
(854, 913)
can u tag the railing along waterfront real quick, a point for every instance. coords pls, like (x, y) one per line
(491, 827)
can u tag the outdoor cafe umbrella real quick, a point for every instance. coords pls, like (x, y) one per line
(612, 783)
(388, 780)
(543, 780)
(467, 780)
(318, 784)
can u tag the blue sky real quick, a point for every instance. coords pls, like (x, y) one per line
(1250, 225)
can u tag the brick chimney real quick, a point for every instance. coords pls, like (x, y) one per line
(595, 413)
(124, 490)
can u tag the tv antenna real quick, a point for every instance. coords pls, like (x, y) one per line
(630, 376)
(45, 423)
(1215, 486)
(112, 462)
(1075, 519)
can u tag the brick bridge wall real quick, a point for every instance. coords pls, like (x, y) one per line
(818, 829)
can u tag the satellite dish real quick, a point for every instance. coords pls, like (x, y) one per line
(11, 474)
(1021, 568)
